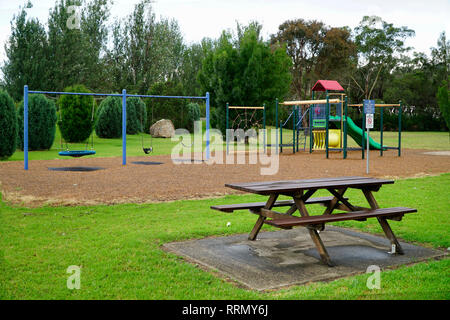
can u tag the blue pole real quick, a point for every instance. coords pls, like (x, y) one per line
(327, 125)
(293, 129)
(277, 147)
(226, 128)
(124, 127)
(207, 127)
(25, 127)
(264, 128)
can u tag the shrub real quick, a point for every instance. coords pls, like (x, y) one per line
(136, 115)
(203, 109)
(109, 118)
(76, 113)
(41, 123)
(172, 109)
(444, 102)
(8, 125)
(193, 114)
(218, 119)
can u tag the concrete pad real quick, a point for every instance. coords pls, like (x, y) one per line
(289, 257)
(438, 153)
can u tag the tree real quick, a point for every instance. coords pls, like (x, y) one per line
(76, 113)
(75, 51)
(26, 55)
(172, 109)
(136, 115)
(42, 123)
(193, 114)
(317, 52)
(244, 71)
(444, 103)
(109, 118)
(144, 51)
(8, 126)
(64, 55)
(94, 17)
(379, 45)
(191, 65)
(441, 58)
(415, 80)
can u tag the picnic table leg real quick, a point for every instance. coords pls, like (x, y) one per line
(313, 232)
(332, 205)
(384, 224)
(259, 223)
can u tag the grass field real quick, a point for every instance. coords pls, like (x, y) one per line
(410, 140)
(113, 147)
(104, 147)
(119, 249)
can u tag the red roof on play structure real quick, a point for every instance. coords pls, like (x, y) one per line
(330, 85)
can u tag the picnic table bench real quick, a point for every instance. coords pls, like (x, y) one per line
(301, 192)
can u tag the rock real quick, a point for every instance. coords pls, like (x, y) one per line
(162, 129)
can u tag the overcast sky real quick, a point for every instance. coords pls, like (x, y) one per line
(207, 18)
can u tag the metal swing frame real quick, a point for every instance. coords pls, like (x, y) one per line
(124, 96)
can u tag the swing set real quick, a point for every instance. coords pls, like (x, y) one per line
(124, 95)
(64, 145)
(147, 150)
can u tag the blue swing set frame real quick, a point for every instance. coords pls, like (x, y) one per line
(124, 95)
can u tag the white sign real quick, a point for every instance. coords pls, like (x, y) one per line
(369, 120)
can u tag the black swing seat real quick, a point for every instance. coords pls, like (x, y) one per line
(147, 150)
(76, 153)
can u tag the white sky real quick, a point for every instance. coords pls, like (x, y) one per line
(207, 18)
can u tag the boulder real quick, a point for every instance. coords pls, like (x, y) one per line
(162, 129)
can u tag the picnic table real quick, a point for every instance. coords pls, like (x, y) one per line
(301, 192)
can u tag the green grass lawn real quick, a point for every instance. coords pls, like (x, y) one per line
(103, 147)
(161, 146)
(410, 140)
(119, 249)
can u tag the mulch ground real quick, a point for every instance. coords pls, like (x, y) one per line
(135, 183)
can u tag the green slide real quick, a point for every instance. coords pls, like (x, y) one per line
(356, 133)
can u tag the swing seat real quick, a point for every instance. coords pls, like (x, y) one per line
(76, 153)
(147, 150)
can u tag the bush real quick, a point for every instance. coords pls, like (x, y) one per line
(218, 119)
(172, 109)
(136, 115)
(41, 123)
(109, 118)
(76, 124)
(442, 96)
(203, 109)
(8, 125)
(193, 114)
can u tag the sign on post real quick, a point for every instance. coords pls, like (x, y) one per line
(369, 106)
(369, 110)
(369, 120)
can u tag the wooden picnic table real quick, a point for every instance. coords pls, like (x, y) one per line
(301, 191)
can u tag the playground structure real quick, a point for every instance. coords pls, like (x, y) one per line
(124, 96)
(298, 131)
(243, 119)
(323, 114)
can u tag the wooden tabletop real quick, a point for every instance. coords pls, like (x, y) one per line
(291, 186)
